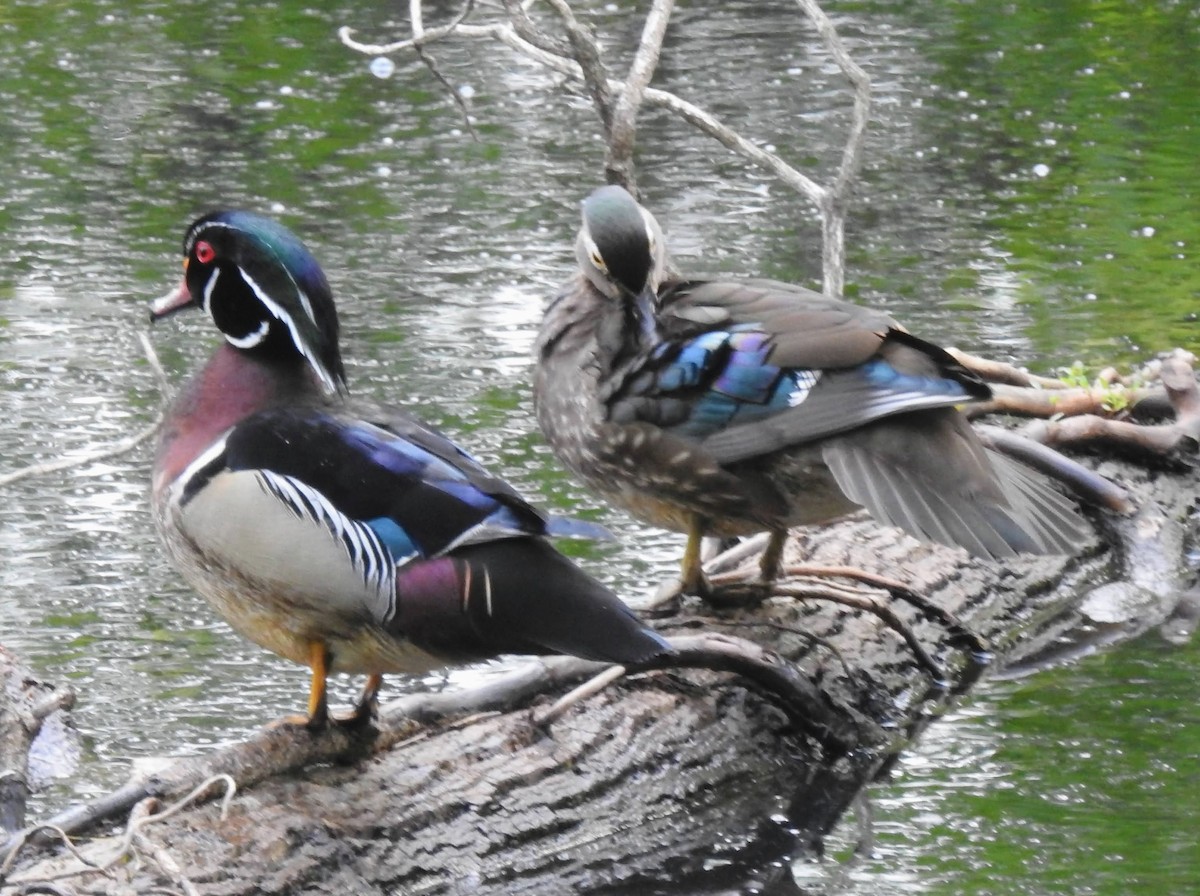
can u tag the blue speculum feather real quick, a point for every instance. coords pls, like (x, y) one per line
(394, 538)
(731, 381)
(738, 384)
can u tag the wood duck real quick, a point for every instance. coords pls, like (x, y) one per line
(343, 536)
(728, 407)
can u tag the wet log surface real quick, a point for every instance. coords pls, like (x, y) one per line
(678, 780)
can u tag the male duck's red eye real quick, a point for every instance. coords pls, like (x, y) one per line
(204, 252)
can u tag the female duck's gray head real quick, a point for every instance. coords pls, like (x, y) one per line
(262, 288)
(620, 246)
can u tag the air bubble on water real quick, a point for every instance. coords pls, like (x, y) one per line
(382, 67)
(466, 91)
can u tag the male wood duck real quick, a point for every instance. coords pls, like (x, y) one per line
(728, 407)
(346, 537)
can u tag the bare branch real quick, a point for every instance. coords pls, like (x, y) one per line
(618, 166)
(117, 448)
(431, 64)
(588, 69)
(526, 29)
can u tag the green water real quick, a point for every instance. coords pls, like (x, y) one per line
(1029, 192)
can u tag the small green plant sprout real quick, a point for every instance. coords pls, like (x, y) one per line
(1112, 392)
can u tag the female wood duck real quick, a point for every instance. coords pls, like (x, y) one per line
(344, 537)
(727, 407)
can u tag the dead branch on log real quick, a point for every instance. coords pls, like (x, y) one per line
(1085, 416)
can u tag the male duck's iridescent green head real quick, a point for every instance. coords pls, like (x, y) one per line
(263, 289)
(620, 246)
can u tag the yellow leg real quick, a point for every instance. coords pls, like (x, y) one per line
(318, 703)
(692, 581)
(772, 555)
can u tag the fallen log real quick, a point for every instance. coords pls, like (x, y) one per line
(697, 779)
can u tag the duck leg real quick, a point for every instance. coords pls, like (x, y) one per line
(364, 709)
(318, 700)
(693, 580)
(772, 557)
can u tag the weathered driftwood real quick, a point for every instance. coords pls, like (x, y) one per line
(25, 706)
(689, 775)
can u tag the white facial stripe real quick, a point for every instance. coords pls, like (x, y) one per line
(305, 303)
(301, 346)
(250, 339)
(208, 290)
(191, 238)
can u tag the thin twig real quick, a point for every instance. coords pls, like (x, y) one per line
(115, 449)
(139, 818)
(66, 463)
(431, 64)
(860, 601)
(589, 688)
(24, 837)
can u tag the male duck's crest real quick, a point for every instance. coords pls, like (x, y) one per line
(263, 289)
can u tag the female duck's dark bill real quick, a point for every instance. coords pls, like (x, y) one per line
(173, 301)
